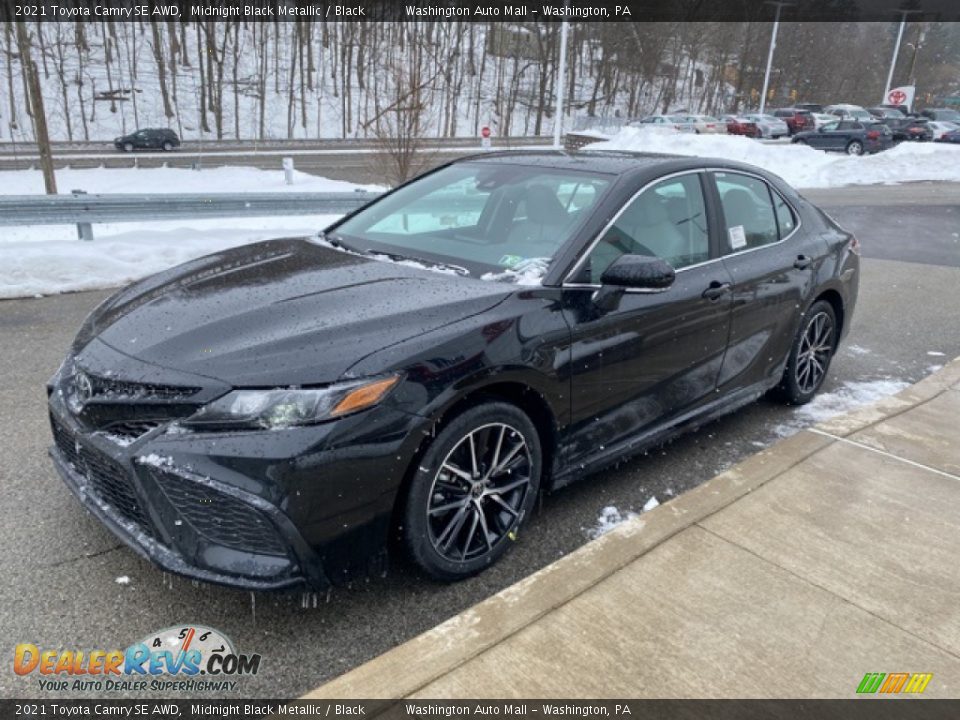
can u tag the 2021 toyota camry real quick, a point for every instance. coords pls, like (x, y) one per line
(414, 376)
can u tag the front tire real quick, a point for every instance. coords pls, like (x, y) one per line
(128, 147)
(855, 147)
(810, 355)
(473, 488)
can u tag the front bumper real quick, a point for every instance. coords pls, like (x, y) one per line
(259, 510)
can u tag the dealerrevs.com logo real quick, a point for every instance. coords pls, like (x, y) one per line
(181, 658)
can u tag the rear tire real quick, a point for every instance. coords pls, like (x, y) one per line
(473, 488)
(810, 355)
(855, 147)
(167, 146)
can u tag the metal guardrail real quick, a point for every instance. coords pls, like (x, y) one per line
(84, 210)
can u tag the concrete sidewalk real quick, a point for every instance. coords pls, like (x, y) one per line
(832, 554)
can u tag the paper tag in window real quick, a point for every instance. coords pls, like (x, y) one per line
(738, 238)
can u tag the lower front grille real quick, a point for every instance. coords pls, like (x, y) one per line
(108, 481)
(220, 518)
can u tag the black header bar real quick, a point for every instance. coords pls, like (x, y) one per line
(518, 11)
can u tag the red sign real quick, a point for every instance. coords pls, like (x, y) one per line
(485, 131)
(897, 97)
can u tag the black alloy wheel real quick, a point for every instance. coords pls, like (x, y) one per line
(473, 488)
(810, 355)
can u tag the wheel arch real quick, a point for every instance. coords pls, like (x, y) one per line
(517, 393)
(835, 299)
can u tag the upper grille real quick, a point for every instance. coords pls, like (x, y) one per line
(107, 479)
(221, 518)
(116, 389)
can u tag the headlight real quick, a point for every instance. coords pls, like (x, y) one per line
(283, 408)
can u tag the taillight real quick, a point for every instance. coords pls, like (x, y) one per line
(873, 134)
(854, 245)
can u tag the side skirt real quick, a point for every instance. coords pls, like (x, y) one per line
(632, 446)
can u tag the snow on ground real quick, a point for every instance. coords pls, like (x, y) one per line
(610, 517)
(851, 395)
(801, 166)
(46, 259)
(171, 180)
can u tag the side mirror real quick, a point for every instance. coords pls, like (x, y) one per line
(640, 272)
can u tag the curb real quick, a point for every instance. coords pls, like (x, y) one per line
(409, 667)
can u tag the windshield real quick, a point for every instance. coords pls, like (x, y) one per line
(496, 221)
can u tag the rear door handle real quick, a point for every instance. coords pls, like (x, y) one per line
(802, 262)
(716, 290)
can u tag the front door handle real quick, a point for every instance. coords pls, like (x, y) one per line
(802, 262)
(716, 290)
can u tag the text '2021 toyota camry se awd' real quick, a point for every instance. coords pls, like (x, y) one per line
(283, 412)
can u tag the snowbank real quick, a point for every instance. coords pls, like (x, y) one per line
(799, 165)
(172, 180)
(46, 259)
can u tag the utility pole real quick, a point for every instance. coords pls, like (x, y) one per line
(921, 36)
(36, 104)
(560, 85)
(773, 44)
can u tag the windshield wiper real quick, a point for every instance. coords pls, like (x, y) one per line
(397, 257)
(337, 242)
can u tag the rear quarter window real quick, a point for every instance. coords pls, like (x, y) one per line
(751, 221)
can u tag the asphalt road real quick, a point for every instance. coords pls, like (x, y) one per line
(60, 566)
(359, 161)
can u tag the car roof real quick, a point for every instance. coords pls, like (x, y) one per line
(622, 163)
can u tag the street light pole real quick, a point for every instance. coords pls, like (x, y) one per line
(773, 44)
(560, 85)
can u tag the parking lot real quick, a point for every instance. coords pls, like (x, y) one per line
(62, 567)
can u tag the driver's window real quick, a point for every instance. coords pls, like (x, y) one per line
(668, 220)
(830, 126)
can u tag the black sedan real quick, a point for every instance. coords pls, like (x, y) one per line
(148, 139)
(850, 136)
(285, 412)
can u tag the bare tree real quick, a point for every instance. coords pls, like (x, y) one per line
(29, 68)
(400, 126)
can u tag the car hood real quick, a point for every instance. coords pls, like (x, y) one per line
(282, 312)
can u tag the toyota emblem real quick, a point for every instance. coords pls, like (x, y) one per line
(82, 390)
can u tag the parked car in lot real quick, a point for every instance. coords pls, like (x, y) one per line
(917, 129)
(279, 413)
(809, 107)
(850, 136)
(950, 137)
(707, 124)
(768, 125)
(677, 122)
(740, 126)
(849, 112)
(941, 114)
(797, 120)
(148, 139)
(886, 111)
(821, 119)
(940, 127)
